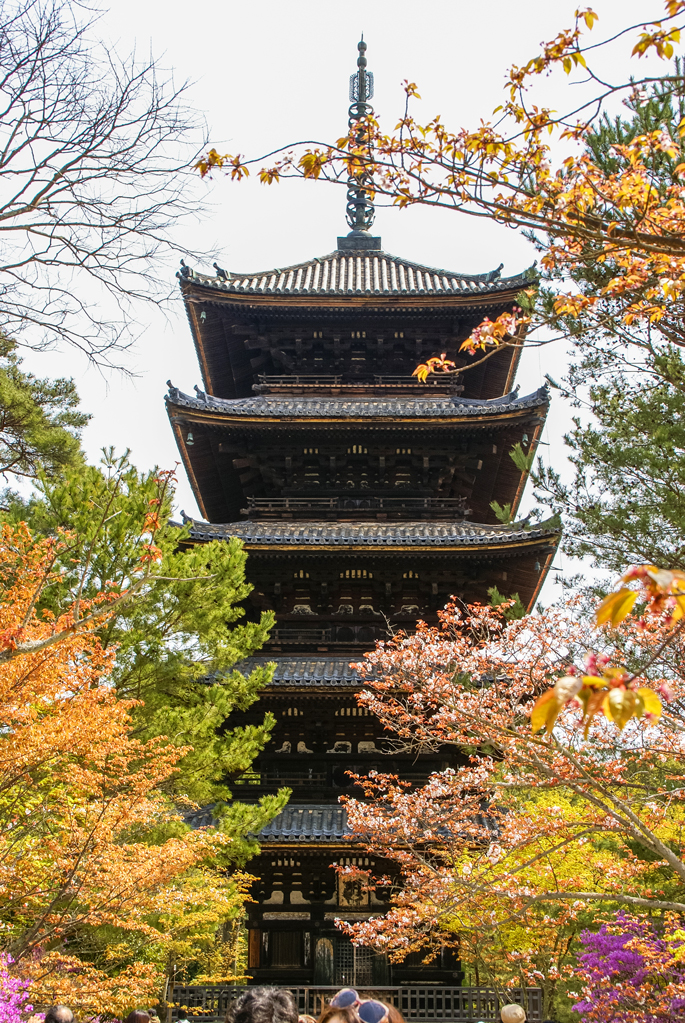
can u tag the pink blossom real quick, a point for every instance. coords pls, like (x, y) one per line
(14, 1004)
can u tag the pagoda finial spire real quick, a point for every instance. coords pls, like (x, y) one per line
(360, 209)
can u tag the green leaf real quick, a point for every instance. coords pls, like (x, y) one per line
(522, 461)
(502, 511)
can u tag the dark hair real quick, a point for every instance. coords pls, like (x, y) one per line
(348, 1013)
(138, 1016)
(59, 1014)
(263, 1005)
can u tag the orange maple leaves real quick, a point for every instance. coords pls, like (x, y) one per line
(79, 795)
(214, 159)
(507, 328)
(438, 364)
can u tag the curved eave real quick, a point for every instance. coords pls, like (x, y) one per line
(302, 544)
(349, 274)
(194, 293)
(341, 286)
(328, 422)
(520, 549)
(436, 549)
(329, 846)
(332, 690)
(456, 418)
(310, 670)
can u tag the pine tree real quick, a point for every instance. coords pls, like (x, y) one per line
(39, 420)
(178, 641)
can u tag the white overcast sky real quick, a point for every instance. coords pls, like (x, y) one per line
(268, 73)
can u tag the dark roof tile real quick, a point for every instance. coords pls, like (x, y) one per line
(319, 822)
(306, 671)
(358, 273)
(370, 534)
(341, 408)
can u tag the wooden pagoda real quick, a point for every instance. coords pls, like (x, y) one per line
(363, 499)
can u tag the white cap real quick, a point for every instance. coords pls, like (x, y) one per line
(512, 1014)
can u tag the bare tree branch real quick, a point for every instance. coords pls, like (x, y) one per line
(95, 153)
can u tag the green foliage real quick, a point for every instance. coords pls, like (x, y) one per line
(517, 610)
(39, 420)
(502, 512)
(661, 107)
(198, 931)
(522, 461)
(178, 640)
(627, 499)
(525, 300)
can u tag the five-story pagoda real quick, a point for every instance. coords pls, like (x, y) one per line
(363, 497)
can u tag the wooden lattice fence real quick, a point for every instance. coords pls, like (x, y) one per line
(418, 1004)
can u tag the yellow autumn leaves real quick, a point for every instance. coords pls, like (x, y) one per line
(611, 690)
(434, 365)
(662, 589)
(596, 694)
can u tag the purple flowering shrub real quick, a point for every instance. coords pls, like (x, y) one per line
(14, 997)
(631, 973)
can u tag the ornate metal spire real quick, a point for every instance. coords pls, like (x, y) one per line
(360, 209)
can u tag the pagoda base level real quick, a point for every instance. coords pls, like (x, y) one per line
(448, 1003)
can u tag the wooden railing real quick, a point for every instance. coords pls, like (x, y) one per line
(441, 380)
(316, 782)
(452, 505)
(276, 779)
(417, 1003)
(340, 635)
(435, 380)
(302, 379)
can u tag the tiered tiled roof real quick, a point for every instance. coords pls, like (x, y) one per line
(305, 671)
(339, 408)
(311, 822)
(358, 273)
(371, 534)
(320, 823)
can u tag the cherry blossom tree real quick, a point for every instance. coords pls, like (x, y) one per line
(568, 796)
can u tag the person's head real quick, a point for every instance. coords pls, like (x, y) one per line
(263, 1005)
(512, 1014)
(137, 1016)
(345, 998)
(334, 1014)
(59, 1014)
(347, 1007)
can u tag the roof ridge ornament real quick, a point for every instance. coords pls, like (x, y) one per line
(360, 209)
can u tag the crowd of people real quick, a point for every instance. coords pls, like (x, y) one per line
(277, 1005)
